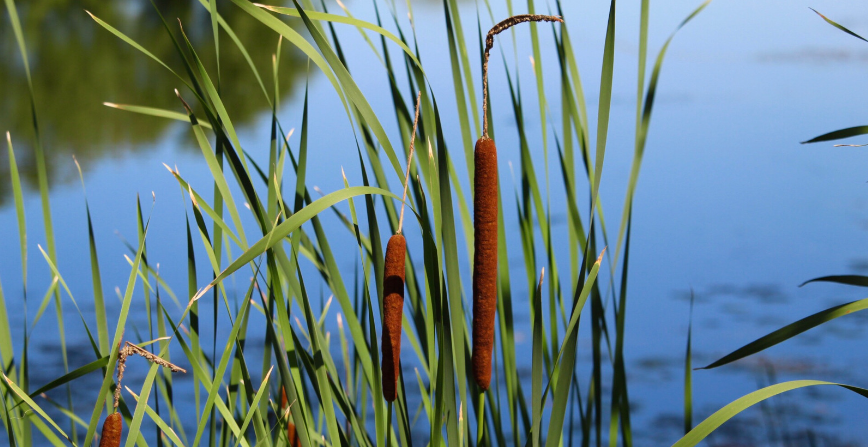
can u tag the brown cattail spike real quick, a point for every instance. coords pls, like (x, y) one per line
(484, 258)
(489, 43)
(111, 431)
(393, 311)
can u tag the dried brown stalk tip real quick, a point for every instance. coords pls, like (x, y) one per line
(489, 43)
(393, 311)
(112, 429)
(409, 160)
(484, 259)
(130, 349)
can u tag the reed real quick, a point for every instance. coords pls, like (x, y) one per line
(485, 221)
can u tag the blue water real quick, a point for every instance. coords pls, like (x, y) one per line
(729, 204)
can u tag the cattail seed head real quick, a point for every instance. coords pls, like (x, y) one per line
(484, 259)
(111, 431)
(393, 311)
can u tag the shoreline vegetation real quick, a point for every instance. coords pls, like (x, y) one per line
(456, 382)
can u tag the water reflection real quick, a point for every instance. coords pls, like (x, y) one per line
(76, 65)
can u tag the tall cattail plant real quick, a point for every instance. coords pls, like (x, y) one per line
(393, 289)
(485, 221)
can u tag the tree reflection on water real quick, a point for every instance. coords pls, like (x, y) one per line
(76, 65)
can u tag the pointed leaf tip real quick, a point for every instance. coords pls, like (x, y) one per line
(600, 258)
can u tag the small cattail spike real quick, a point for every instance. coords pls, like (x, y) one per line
(112, 430)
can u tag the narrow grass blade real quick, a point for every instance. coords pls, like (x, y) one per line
(241, 48)
(850, 280)
(24, 397)
(688, 373)
(45, 300)
(216, 168)
(839, 134)
(19, 212)
(133, 44)
(42, 180)
(789, 331)
(98, 299)
(72, 375)
(255, 403)
(153, 111)
(460, 99)
(537, 363)
(165, 429)
(214, 391)
(291, 224)
(325, 393)
(642, 128)
(605, 103)
(566, 359)
(7, 352)
(836, 25)
(321, 16)
(710, 424)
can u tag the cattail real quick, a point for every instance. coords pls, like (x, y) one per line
(393, 289)
(393, 311)
(485, 222)
(111, 431)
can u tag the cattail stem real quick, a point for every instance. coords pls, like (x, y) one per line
(480, 422)
(489, 43)
(409, 160)
(389, 426)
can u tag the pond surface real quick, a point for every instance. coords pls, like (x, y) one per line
(730, 207)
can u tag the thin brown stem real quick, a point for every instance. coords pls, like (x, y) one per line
(409, 160)
(489, 43)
